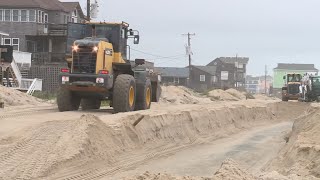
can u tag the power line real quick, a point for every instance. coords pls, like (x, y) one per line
(180, 60)
(158, 56)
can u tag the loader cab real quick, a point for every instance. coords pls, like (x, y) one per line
(116, 33)
(315, 81)
(293, 78)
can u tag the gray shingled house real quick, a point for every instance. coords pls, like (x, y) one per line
(40, 27)
(173, 75)
(231, 71)
(203, 77)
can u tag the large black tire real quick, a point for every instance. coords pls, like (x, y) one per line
(87, 104)
(123, 88)
(67, 101)
(285, 99)
(143, 95)
(156, 92)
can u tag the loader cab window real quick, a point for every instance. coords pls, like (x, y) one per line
(316, 81)
(102, 31)
(294, 78)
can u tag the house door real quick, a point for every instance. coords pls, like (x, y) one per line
(46, 23)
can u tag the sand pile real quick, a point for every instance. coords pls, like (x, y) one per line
(229, 170)
(301, 155)
(12, 97)
(222, 95)
(181, 95)
(239, 95)
(43, 149)
(264, 97)
(160, 176)
(53, 148)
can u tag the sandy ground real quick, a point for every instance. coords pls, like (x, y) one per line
(205, 159)
(185, 136)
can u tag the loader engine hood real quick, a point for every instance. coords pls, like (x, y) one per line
(89, 41)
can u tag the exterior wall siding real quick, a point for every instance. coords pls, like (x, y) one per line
(201, 85)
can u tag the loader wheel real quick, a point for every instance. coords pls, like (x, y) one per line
(87, 104)
(143, 96)
(156, 92)
(124, 93)
(285, 99)
(67, 101)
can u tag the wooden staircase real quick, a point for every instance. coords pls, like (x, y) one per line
(10, 80)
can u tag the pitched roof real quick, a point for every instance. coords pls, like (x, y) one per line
(231, 60)
(173, 72)
(303, 67)
(208, 69)
(71, 6)
(54, 5)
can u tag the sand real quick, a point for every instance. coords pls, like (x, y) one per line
(95, 147)
(228, 95)
(181, 95)
(230, 170)
(70, 148)
(264, 97)
(301, 155)
(239, 95)
(12, 97)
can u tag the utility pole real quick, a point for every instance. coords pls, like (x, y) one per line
(265, 80)
(189, 53)
(237, 66)
(88, 10)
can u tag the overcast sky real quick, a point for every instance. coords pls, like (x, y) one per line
(266, 31)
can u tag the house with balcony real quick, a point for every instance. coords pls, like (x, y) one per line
(38, 27)
(231, 71)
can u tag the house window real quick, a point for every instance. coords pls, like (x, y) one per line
(75, 12)
(12, 42)
(7, 15)
(15, 43)
(15, 15)
(32, 16)
(65, 19)
(39, 16)
(7, 41)
(42, 16)
(24, 16)
(1, 15)
(202, 78)
(240, 66)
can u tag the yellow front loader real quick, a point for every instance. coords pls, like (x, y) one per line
(99, 70)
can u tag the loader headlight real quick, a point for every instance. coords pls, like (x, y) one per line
(95, 49)
(65, 79)
(99, 80)
(75, 48)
